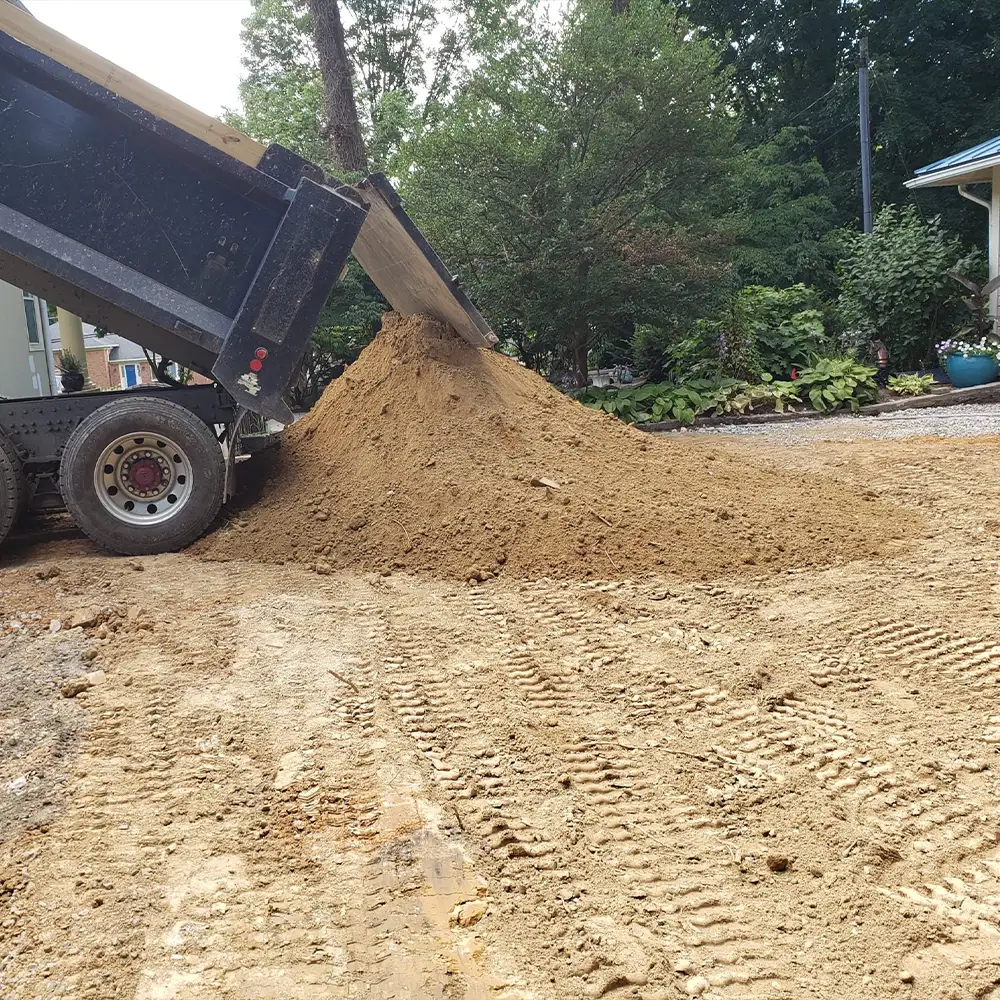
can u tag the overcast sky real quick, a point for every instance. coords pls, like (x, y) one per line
(189, 48)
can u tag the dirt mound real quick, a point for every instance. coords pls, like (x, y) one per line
(429, 455)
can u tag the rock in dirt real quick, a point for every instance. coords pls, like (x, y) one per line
(778, 862)
(289, 767)
(696, 986)
(469, 914)
(84, 618)
(73, 686)
(434, 445)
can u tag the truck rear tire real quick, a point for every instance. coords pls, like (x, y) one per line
(12, 488)
(142, 476)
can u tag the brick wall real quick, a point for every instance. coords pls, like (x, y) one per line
(98, 369)
(105, 374)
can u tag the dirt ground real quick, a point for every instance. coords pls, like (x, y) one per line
(294, 786)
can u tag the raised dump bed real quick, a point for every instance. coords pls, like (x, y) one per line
(144, 216)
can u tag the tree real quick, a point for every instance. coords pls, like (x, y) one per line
(793, 62)
(406, 56)
(788, 219)
(784, 55)
(347, 145)
(282, 92)
(572, 177)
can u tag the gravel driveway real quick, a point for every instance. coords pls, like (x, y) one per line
(946, 421)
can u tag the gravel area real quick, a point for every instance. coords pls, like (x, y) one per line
(946, 421)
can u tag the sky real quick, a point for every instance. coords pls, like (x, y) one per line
(189, 48)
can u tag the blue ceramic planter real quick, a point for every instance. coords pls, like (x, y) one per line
(976, 369)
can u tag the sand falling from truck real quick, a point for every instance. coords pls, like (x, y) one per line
(430, 456)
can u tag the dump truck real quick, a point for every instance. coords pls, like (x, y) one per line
(144, 216)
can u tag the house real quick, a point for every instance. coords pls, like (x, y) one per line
(976, 167)
(114, 362)
(24, 365)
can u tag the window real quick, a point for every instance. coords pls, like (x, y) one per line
(130, 376)
(31, 317)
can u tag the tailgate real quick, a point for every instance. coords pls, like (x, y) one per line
(405, 268)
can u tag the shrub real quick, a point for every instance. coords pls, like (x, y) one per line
(832, 383)
(911, 385)
(788, 324)
(827, 384)
(671, 355)
(763, 329)
(686, 401)
(896, 287)
(738, 352)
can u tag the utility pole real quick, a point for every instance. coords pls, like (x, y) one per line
(866, 137)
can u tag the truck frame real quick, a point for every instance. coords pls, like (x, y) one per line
(142, 215)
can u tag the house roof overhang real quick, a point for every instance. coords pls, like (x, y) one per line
(980, 173)
(972, 166)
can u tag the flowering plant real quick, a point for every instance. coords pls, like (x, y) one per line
(967, 348)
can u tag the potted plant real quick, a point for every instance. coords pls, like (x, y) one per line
(970, 357)
(71, 372)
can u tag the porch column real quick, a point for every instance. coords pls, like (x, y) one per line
(995, 238)
(71, 337)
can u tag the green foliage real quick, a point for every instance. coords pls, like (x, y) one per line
(572, 178)
(282, 92)
(665, 353)
(788, 220)
(833, 383)
(896, 287)
(978, 304)
(911, 385)
(827, 384)
(69, 363)
(690, 399)
(788, 324)
(762, 330)
(739, 355)
(793, 62)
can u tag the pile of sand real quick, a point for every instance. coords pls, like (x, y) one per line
(428, 456)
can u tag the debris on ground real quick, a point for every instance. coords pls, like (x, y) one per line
(427, 455)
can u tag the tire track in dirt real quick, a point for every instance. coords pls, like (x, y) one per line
(265, 865)
(474, 775)
(384, 873)
(918, 809)
(664, 850)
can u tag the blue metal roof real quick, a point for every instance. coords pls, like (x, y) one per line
(984, 151)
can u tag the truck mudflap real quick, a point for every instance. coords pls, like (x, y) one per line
(262, 352)
(405, 268)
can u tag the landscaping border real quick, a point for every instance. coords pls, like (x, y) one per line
(989, 393)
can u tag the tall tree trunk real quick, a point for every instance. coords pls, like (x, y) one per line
(347, 146)
(581, 353)
(619, 6)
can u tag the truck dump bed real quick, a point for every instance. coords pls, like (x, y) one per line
(149, 218)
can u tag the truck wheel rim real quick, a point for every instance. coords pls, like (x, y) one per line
(144, 479)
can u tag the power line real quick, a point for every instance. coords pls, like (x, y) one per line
(834, 134)
(799, 114)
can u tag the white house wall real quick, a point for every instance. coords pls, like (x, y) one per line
(22, 370)
(995, 237)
